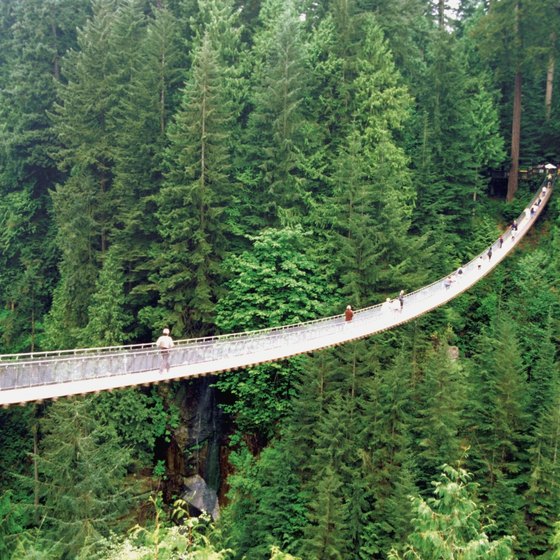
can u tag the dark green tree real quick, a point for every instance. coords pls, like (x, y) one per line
(86, 205)
(107, 320)
(191, 205)
(387, 459)
(145, 108)
(277, 128)
(35, 35)
(499, 423)
(442, 391)
(82, 470)
(543, 494)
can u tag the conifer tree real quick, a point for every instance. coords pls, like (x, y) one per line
(501, 426)
(543, 493)
(441, 395)
(95, 77)
(82, 467)
(107, 320)
(327, 536)
(276, 127)
(387, 459)
(192, 203)
(35, 34)
(446, 122)
(145, 109)
(451, 524)
(253, 520)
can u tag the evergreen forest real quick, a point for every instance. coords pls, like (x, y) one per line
(217, 166)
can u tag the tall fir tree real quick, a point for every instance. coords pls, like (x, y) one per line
(82, 468)
(191, 205)
(499, 423)
(276, 126)
(451, 524)
(34, 37)
(95, 77)
(144, 112)
(542, 499)
(441, 394)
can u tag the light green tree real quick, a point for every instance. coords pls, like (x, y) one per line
(277, 283)
(450, 525)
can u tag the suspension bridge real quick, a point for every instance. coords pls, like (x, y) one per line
(38, 376)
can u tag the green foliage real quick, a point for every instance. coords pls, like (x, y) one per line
(144, 146)
(442, 391)
(163, 540)
(191, 205)
(274, 284)
(277, 127)
(82, 467)
(252, 523)
(11, 523)
(107, 318)
(451, 525)
(499, 407)
(139, 418)
(543, 493)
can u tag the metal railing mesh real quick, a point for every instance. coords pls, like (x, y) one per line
(19, 371)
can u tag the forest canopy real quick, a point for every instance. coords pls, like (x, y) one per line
(214, 166)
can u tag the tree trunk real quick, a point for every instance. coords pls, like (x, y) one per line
(550, 77)
(35, 473)
(515, 139)
(441, 14)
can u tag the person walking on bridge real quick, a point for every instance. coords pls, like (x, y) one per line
(164, 343)
(401, 300)
(348, 314)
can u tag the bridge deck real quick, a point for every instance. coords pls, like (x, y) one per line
(39, 376)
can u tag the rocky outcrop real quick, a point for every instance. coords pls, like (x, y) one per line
(201, 497)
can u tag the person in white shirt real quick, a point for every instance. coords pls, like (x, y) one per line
(164, 343)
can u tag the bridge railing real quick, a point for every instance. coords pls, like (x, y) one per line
(42, 368)
(20, 374)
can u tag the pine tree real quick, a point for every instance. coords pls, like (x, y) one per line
(35, 34)
(277, 128)
(451, 525)
(82, 467)
(191, 205)
(326, 538)
(441, 396)
(107, 318)
(253, 521)
(86, 207)
(387, 459)
(447, 122)
(145, 109)
(499, 412)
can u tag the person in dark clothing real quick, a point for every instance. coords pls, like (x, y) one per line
(401, 299)
(348, 314)
(489, 254)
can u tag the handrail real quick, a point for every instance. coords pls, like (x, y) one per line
(199, 356)
(79, 352)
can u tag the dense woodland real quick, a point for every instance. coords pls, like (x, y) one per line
(224, 165)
